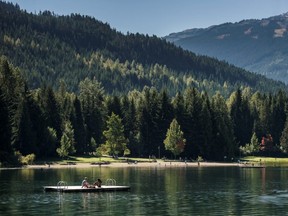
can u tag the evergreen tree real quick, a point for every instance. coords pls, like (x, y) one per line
(51, 141)
(278, 116)
(63, 150)
(241, 117)
(67, 141)
(166, 115)
(284, 138)
(115, 139)
(149, 122)
(223, 146)
(193, 130)
(38, 121)
(23, 133)
(128, 111)
(6, 150)
(79, 128)
(92, 97)
(174, 141)
(206, 133)
(255, 142)
(52, 110)
(93, 144)
(252, 147)
(113, 105)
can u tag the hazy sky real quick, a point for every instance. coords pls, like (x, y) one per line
(160, 17)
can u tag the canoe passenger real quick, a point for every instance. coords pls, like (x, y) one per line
(98, 183)
(85, 183)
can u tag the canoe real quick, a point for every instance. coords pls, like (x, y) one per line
(108, 187)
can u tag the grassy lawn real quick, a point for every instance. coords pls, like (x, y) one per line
(91, 159)
(267, 160)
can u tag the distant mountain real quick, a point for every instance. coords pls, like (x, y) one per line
(48, 48)
(259, 46)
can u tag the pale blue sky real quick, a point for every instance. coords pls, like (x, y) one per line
(160, 17)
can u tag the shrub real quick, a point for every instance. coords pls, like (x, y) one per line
(28, 159)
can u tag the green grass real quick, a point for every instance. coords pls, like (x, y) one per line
(90, 159)
(270, 161)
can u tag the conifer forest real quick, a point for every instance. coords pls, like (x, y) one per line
(71, 85)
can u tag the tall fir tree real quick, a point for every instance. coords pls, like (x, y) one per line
(77, 121)
(193, 132)
(166, 115)
(223, 146)
(92, 100)
(241, 117)
(116, 142)
(67, 141)
(284, 138)
(6, 150)
(128, 111)
(278, 115)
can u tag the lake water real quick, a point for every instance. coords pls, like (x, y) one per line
(154, 191)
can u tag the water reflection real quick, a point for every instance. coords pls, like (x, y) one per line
(278, 198)
(155, 191)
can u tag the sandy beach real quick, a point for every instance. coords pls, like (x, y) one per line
(138, 164)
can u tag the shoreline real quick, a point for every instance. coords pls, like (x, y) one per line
(160, 164)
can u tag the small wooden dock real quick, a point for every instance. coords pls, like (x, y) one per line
(252, 166)
(103, 188)
(109, 187)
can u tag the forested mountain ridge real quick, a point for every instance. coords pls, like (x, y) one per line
(125, 95)
(256, 45)
(48, 48)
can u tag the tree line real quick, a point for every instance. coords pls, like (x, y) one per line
(56, 123)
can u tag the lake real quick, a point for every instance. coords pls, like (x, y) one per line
(154, 191)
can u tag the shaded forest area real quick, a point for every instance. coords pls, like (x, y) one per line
(36, 120)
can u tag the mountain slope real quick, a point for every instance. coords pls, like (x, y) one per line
(257, 45)
(49, 48)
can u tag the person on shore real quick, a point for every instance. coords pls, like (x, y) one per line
(98, 183)
(85, 183)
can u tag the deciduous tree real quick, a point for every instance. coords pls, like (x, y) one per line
(174, 141)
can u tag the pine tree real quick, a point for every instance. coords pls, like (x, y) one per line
(6, 150)
(79, 128)
(284, 138)
(223, 145)
(166, 115)
(52, 110)
(278, 116)
(92, 97)
(115, 139)
(206, 133)
(23, 131)
(67, 141)
(193, 130)
(49, 147)
(241, 117)
(63, 150)
(148, 119)
(128, 111)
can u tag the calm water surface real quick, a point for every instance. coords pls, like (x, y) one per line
(154, 191)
